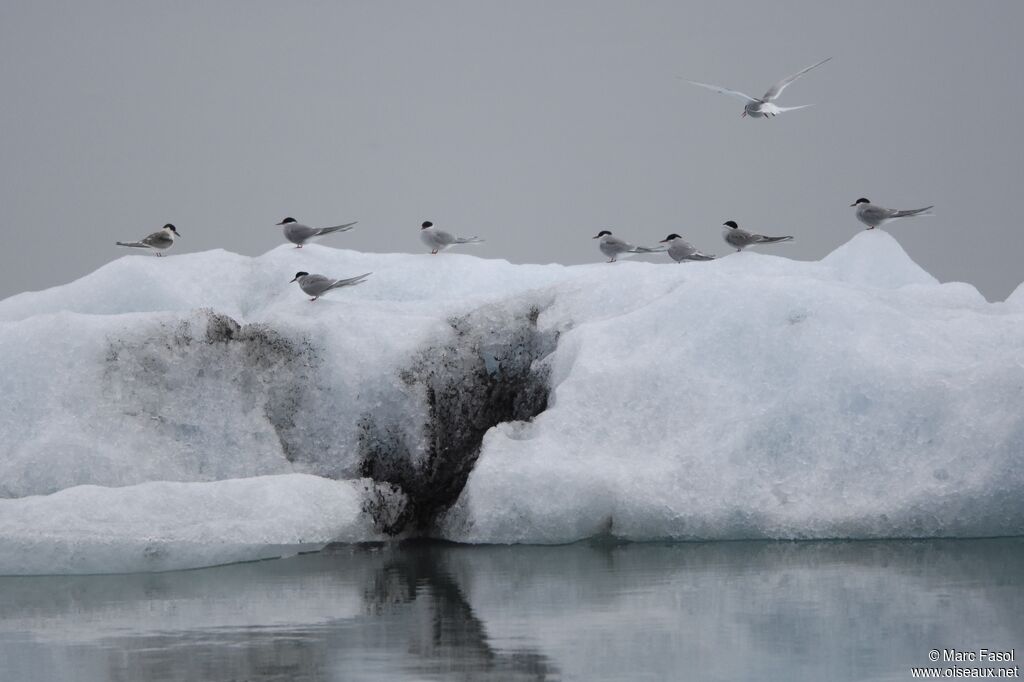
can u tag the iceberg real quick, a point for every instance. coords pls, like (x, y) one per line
(162, 526)
(487, 402)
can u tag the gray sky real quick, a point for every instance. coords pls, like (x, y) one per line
(532, 124)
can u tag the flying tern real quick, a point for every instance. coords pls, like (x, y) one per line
(764, 106)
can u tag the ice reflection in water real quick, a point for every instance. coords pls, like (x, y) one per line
(730, 611)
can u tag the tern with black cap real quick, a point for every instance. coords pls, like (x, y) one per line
(299, 234)
(318, 285)
(681, 250)
(613, 247)
(876, 216)
(741, 239)
(161, 240)
(439, 240)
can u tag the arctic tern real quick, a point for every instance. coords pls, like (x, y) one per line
(764, 106)
(158, 241)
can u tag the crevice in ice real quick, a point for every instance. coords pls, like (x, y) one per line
(489, 370)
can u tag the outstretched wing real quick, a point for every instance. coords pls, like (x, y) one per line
(802, 106)
(726, 91)
(776, 90)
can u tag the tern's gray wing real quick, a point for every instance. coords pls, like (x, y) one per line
(314, 285)
(726, 91)
(297, 233)
(874, 215)
(443, 238)
(776, 90)
(158, 240)
(737, 238)
(613, 246)
(681, 250)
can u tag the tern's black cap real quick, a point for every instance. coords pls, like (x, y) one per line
(731, 223)
(426, 224)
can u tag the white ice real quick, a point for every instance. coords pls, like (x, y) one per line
(752, 396)
(161, 526)
(758, 397)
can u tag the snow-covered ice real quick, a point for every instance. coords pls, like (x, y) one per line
(752, 396)
(162, 526)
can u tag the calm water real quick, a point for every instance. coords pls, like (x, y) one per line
(717, 611)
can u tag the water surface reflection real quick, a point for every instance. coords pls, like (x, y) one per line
(728, 611)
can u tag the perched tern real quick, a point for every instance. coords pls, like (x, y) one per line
(299, 234)
(158, 241)
(679, 249)
(318, 285)
(876, 216)
(439, 240)
(613, 247)
(764, 106)
(741, 239)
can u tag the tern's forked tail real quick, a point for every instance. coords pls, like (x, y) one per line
(337, 228)
(914, 211)
(351, 281)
